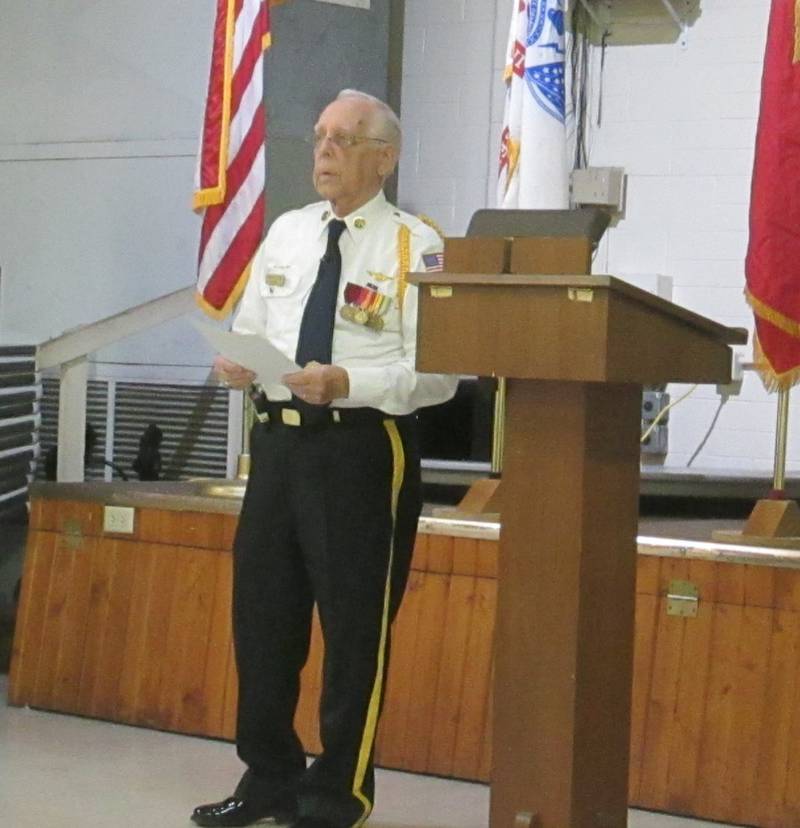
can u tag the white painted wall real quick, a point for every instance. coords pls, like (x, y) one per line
(680, 118)
(450, 54)
(101, 106)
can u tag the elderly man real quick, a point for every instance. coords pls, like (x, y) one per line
(332, 502)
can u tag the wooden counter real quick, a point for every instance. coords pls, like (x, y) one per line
(136, 629)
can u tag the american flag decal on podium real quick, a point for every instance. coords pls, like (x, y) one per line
(434, 262)
(231, 167)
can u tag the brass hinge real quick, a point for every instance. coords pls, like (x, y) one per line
(683, 598)
(72, 534)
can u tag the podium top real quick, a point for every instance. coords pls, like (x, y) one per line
(565, 327)
(585, 222)
(731, 336)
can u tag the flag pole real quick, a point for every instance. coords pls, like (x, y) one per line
(775, 520)
(483, 496)
(781, 432)
(771, 270)
(498, 429)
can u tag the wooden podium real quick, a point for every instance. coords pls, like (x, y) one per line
(576, 351)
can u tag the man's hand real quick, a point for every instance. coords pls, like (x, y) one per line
(319, 384)
(231, 374)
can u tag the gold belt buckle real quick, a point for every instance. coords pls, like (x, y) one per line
(290, 417)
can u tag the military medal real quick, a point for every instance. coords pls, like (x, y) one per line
(365, 305)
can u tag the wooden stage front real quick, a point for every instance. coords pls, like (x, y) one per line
(136, 629)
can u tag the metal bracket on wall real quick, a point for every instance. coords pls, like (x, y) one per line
(592, 16)
(677, 20)
(635, 22)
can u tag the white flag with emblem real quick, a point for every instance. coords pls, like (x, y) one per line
(533, 151)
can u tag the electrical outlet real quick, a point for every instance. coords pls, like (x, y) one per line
(118, 519)
(657, 441)
(653, 403)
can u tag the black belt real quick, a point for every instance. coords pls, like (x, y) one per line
(316, 416)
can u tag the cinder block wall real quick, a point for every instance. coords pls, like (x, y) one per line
(681, 118)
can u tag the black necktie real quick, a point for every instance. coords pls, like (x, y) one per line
(315, 341)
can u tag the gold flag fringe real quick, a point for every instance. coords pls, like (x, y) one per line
(787, 325)
(797, 31)
(208, 197)
(770, 378)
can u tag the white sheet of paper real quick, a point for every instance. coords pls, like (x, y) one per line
(251, 351)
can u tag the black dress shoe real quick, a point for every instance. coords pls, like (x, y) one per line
(234, 812)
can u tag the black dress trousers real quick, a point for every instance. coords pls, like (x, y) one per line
(329, 516)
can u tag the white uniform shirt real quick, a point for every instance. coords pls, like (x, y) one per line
(379, 363)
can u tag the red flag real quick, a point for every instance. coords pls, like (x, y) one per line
(231, 166)
(773, 255)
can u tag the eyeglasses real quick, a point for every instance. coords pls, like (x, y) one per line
(342, 140)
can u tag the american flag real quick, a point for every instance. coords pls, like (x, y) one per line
(231, 168)
(433, 262)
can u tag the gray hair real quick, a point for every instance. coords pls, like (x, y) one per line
(386, 120)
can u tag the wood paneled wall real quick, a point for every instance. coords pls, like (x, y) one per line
(134, 630)
(137, 630)
(716, 715)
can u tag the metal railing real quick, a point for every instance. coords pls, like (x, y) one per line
(70, 353)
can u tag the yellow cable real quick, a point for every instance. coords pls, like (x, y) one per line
(660, 415)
